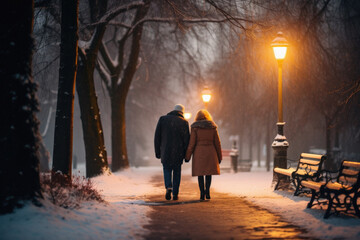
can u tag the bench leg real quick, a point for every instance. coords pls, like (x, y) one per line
(313, 194)
(297, 185)
(328, 210)
(356, 207)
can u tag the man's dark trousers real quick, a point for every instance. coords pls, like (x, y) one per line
(172, 177)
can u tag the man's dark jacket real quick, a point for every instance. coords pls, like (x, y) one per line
(171, 139)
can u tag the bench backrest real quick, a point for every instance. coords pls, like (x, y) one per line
(310, 163)
(349, 173)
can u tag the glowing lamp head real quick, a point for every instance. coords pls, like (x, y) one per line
(279, 45)
(187, 115)
(206, 95)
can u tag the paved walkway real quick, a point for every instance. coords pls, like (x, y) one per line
(222, 217)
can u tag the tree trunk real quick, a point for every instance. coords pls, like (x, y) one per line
(120, 157)
(44, 158)
(118, 135)
(96, 157)
(251, 144)
(329, 163)
(259, 152)
(268, 146)
(63, 142)
(19, 133)
(240, 146)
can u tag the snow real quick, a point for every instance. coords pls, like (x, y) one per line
(125, 212)
(280, 140)
(280, 144)
(256, 187)
(121, 218)
(280, 137)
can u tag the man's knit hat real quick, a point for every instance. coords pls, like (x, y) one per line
(179, 107)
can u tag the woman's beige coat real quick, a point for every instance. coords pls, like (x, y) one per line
(205, 147)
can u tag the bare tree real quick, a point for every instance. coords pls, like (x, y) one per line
(96, 156)
(63, 143)
(118, 74)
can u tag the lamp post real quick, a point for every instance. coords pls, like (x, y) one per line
(280, 145)
(187, 115)
(206, 96)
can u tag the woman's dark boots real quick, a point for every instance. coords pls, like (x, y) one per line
(201, 187)
(208, 183)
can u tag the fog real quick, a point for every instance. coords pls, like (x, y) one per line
(238, 66)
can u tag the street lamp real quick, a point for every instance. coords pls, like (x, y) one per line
(206, 96)
(187, 115)
(280, 145)
(280, 45)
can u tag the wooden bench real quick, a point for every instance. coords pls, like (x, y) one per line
(341, 193)
(309, 166)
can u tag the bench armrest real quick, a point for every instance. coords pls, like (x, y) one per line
(328, 176)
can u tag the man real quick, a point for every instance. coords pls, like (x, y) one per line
(171, 141)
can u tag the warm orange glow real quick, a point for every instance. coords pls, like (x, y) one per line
(206, 95)
(187, 115)
(280, 52)
(279, 45)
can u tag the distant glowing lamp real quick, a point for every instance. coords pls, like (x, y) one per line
(279, 45)
(206, 95)
(187, 115)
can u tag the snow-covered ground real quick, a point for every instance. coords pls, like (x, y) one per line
(125, 213)
(256, 187)
(121, 218)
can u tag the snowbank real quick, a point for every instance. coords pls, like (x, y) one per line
(120, 218)
(256, 187)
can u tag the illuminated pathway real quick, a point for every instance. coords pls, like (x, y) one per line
(222, 217)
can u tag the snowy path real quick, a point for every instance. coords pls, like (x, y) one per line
(223, 217)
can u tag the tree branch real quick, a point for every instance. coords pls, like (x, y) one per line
(227, 15)
(174, 20)
(101, 25)
(107, 58)
(119, 67)
(134, 52)
(104, 77)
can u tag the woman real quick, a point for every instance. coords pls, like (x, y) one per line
(206, 149)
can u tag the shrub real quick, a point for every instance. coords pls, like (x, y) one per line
(68, 193)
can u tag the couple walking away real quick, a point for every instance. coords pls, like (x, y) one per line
(173, 143)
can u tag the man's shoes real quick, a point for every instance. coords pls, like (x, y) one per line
(168, 194)
(175, 197)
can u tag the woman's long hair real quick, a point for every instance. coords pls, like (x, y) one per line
(203, 114)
